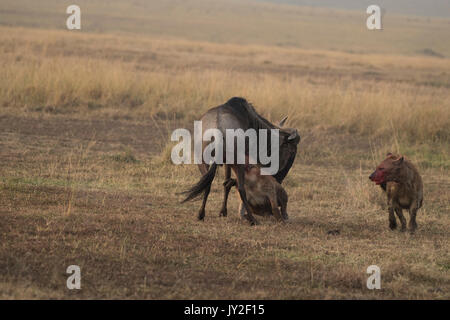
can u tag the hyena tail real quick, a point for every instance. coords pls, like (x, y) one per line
(201, 185)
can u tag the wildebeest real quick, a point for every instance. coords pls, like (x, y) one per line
(403, 185)
(265, 194)
(237, 113)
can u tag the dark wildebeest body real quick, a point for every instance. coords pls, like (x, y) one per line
(404, 189)
(235, 114)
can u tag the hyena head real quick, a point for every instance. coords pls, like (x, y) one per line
(388, 169)
(252, 173)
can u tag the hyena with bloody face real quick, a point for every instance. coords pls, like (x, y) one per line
(403, 185)
(265, 195)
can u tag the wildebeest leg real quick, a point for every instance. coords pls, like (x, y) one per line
(242, 210)
(240, 170)
(392, 222)
(412, 219)
(401, 217)
(203, 167)
(201, 213)
(227, 185)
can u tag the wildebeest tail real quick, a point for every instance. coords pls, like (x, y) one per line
(201, 186)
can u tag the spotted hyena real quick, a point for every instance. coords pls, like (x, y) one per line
(404, 189)
(265, 195)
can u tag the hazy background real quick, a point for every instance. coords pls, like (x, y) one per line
(252, 22)
(432, 8)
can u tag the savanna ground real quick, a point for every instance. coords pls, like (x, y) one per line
(85, 171)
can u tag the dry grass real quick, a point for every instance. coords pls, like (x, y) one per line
(85, 177)
(241, 22)
(132, 238)
(175, 79)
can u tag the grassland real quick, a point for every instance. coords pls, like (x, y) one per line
(240, 22)
(85, 176)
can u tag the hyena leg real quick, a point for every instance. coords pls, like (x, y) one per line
(412, 219)
(392, 221)
(284, 211)
(282, 201)
(275, 211)
(240, 182)
(401, 217)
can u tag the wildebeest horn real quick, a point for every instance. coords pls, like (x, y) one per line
(293, 135)
(283, 121)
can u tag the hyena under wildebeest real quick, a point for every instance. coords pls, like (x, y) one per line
(403, 185)
(265, 194)
(237, 113)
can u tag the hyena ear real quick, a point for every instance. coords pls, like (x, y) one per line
(399, 161)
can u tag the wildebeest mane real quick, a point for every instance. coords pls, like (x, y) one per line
(246, 113)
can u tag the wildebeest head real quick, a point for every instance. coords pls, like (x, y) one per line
(289, 139)
(387, 170)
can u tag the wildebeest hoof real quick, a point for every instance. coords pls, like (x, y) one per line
(412, 227)
(223, 213)
(393, 225)
(334, 232)
(403, 229)
(201, 216)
